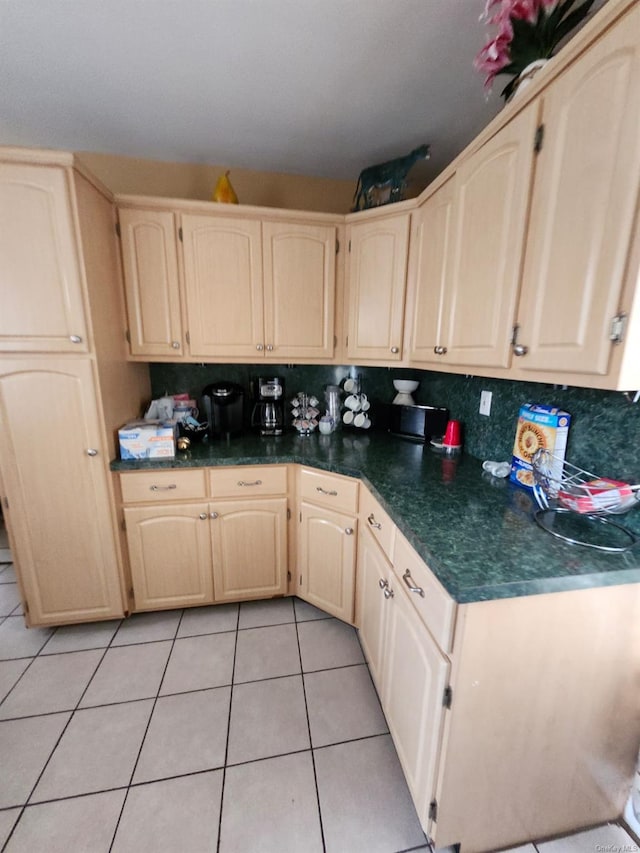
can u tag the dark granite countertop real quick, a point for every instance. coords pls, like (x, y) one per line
(476, 533)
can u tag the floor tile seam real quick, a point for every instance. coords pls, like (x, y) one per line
(141, 782)
(77, 796)
(249, 761)
(146, 728)
(313, 760)
(267, 678)
(19, 679)
(77, 709)
(226, 746)
(62, 733)
(351, 740)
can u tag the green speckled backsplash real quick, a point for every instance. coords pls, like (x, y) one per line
(604, 436)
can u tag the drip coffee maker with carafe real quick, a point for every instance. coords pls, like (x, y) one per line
(268, 410)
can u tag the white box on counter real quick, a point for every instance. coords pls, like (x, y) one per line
(539, 428)
(147, 440)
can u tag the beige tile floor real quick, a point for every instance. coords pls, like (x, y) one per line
(232, 728)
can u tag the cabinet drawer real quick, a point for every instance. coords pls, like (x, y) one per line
(329, 490)
(376, 519)
(247, 481)
(435, 606)
(149, 486)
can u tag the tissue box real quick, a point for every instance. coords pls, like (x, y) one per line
(147, 440)
(539, 427)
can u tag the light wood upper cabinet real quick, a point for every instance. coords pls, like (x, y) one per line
(429, 259)
(249, 548)
(170, 555)
(67, 561)
(41, 283)
(584, 204)
(223, 285)
(492, 190)
(150, 265)
(377, 280)
(299, 289)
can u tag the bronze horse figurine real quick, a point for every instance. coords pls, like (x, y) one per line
(389, 176)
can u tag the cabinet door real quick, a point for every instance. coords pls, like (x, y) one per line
(377, 280)
(374, 573)
(150, 264)
(299, 289)
(223, 286)
(327, 560)
(170, 555)
(59, 499)
(41, 282)
(490, 211)
(415, 676)
(584, 202)
(431, 235)
(249, 548)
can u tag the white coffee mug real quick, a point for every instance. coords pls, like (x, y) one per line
(365, 405)
(359, 419)
(350, 385)
(352, 402)
(347, 418)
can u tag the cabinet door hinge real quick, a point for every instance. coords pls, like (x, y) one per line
(618, 326)
(127, 335)
(447, 697)
(335, 341)
(131, 593)
(538, 139)
(300, 581)
(118, 232)
(187, 337)
(288, 577)
(123, 524)
(288, 514)
(301, 518)
(349, 245)
(180, 236)
(433, 810)
(337, 246)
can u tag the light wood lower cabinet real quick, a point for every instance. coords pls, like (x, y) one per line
(170, 555)
(249, 548)
(327, 560)
(409, 670)
(59, 505)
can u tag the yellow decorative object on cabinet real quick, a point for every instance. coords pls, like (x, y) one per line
(224, 192)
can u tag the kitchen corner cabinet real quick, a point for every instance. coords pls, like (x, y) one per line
(43, 304)
(377, 276)
(327, 542)
(468, 287)
(152, 288)
(584, 211)
(68, 563)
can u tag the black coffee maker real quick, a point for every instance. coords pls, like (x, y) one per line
(268, 410)
(223, 404)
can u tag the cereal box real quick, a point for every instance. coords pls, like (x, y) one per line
(147, 440)
(539, 427)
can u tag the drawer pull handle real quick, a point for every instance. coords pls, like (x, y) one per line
(389, 593)
(383, 583)
(406, 577)
(372, 521)
(255, 483)
(331, 492)
(163, 488)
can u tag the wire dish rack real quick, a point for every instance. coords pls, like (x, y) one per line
(586, 502)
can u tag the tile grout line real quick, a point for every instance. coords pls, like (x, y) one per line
(313, 760)
(226, 748)
(62, 733)
(144, 736)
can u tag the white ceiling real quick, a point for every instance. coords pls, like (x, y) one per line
(316, 87)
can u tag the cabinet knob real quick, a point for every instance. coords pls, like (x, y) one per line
(175, 344)
(520, 349)
(440, 350)
(203, 516)
(394, 350)
(213, 515)
(269, 347)
(75, 339)
(259, 347)
(383, 583)
(349, 531)
(92, 452)
(389, 593)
